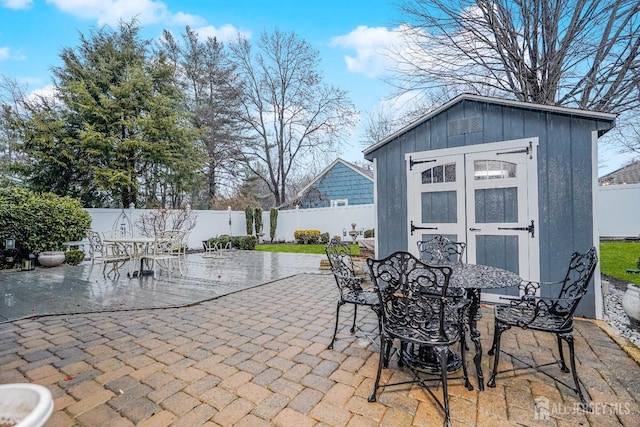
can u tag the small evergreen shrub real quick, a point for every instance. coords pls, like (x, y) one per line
(247, 243)
(306, 236)
(74, 256)
(324, 238)
(369, 234)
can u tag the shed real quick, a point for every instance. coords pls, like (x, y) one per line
(515, 181)
(339, 184)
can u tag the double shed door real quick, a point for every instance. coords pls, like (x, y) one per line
(485, 196)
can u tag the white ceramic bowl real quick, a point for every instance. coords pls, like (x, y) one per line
(25, 405)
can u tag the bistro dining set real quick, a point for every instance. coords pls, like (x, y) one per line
(426, 306)
(118, 248)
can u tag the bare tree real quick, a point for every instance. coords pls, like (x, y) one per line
(579, 53)
(11, 96)
(292, 115)
(378, 125)
(213, 101)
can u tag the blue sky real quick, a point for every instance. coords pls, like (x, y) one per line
(350, 36)
(346, 33)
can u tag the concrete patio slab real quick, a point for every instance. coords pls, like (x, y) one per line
(81, 289)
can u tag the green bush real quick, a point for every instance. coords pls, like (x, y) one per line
(324, 238)
(368, 234)
(248, 217)
(244, 242)
(306, 236)
(237, 242)
(273, 222)
(74, 257)
(41, 222)
(257, 220)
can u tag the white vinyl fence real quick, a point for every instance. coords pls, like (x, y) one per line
(214, 223)
(618, 217)
(619, 211)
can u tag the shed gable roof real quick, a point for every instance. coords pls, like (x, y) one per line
(497, 101)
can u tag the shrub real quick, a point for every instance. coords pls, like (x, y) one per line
(368, 234)
(41, 222)
(306, 236)
(273, 222)
(248, 217)
(336, 238)
(244, 242)
(74, 256)
(324, 238)
(257, 220)
(238, 242)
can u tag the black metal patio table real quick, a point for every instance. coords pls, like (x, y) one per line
(473, 278)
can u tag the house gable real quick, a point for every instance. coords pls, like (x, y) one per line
(340, 181)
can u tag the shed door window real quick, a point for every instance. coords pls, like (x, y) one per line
(440, 174)
(493, 169)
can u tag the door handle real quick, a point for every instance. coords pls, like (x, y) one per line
(531, 228)
(414, 228)
(475, 229)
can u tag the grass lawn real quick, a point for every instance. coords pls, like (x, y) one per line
(617, 257)
(300, 249)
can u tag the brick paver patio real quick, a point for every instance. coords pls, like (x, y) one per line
(259, 357)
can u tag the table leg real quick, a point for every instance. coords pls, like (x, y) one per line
(474, 315)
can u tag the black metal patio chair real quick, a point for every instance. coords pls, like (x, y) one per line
(419, 309)
(440, 250)
(349, 284)
(547, 314)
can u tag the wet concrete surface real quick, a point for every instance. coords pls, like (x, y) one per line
(70, 289)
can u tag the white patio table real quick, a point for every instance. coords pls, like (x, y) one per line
(138, 246)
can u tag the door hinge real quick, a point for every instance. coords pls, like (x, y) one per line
(531, 228)
(417, 162)
(527, 150)
(414, 228)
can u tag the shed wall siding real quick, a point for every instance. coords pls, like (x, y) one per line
(564, 176)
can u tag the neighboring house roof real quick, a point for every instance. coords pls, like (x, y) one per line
(497, 101)
(365, 173)
(629, 174)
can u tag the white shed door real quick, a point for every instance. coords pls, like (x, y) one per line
(485, 196)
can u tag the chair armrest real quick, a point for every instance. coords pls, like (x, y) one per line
(531, 288)
(530, 308)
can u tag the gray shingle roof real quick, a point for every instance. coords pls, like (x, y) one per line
(629, 174)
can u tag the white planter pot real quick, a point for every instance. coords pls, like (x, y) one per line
(25, 405)
(631, 304)
(51, 258)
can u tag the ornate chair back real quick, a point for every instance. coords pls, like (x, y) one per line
(95, 244)
(575, 283)
(339, 255)
(441, 250)
(413, 298)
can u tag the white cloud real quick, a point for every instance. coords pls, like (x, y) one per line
(48, 93)
(111, 11)
(4, 53)
(371, 46)
(16, 4)
(184, 19)
(225, 33)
